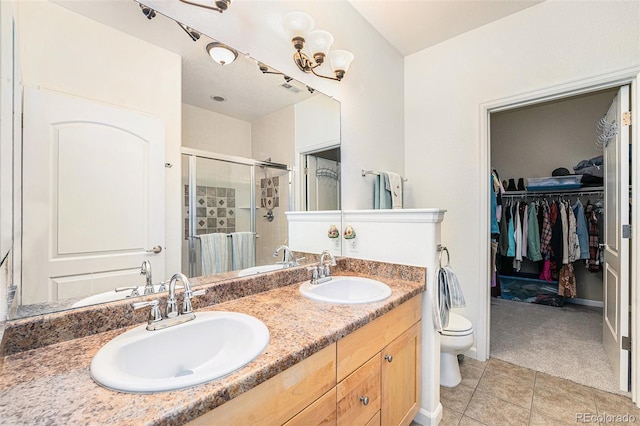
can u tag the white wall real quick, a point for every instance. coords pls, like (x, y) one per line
(66, 52)
(371, 94)
(533, 141)
(214, 132)
(273, 136)
(548, 44)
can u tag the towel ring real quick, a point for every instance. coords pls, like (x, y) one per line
(442, 249)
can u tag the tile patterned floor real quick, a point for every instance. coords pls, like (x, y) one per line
(498, 393)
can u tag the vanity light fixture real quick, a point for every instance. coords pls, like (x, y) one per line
(217, 5)
(147, 11)
(298, 26)
(221, 53)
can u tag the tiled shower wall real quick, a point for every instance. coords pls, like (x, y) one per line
(215, 210)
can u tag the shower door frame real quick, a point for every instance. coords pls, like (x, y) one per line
(193, 154)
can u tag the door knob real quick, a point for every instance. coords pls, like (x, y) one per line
(388, 358)
(155, 249)
(365, 400)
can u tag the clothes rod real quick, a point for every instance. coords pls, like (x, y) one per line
(228, 235)
(371, 172)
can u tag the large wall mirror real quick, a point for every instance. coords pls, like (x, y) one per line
(242, 144)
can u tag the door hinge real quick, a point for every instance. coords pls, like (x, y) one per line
(626, 118)
(306, 170)
(626, 231)
(626, 343)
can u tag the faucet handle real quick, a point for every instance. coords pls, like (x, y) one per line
(134, 290)
(162, 286)
(314, 274)
(186, 302)
(297, 261)
(154, 314)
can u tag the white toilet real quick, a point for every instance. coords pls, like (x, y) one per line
(456, 337)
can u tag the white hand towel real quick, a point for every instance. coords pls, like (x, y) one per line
(395, 186)
(243, 250)
(214, 253)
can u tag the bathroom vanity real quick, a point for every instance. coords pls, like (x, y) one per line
(323, 362)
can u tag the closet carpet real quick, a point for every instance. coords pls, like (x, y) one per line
(563, 342)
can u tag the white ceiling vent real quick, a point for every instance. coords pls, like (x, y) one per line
(290, 88)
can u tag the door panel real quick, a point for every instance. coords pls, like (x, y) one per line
(93, 196)
(616, 248)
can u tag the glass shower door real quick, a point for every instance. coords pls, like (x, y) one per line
(218, 200)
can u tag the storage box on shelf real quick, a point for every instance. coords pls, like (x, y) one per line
(554, 183)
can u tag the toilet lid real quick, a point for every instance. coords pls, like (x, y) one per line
(458, 325)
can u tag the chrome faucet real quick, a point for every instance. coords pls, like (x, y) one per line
(322, 272)
(172, 315)
(145, 270)
(287, 257)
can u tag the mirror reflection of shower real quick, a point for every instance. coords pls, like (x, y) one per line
(226, 208)
(322, 180)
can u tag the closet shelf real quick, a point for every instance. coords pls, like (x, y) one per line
(578, 191)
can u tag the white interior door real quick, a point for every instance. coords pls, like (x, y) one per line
(616, 246)
(93, 196)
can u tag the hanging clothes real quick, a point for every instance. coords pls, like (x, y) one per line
(517, 236)
(567, 281)
(581, 229)
(545, 233)
(533, 237)
(511, 252)
(524, 209)
(574, 243)
(594, 238)
(565, 232)
(503, 241)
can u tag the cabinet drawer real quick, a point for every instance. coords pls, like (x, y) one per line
(368, 340)
(375, 421)
(322, 412)
(362, 383)
(281, 397)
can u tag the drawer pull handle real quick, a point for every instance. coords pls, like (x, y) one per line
(388, 358)
(365, 400)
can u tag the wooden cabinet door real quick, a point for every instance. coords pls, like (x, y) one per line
(400, 378)
(359, 394)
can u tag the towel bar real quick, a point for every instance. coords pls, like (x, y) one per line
(371, 172)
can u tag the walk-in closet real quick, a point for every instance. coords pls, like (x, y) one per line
(550, 299)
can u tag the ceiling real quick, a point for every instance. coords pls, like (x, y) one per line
(249, 94)
(409, 25)
(414, 25)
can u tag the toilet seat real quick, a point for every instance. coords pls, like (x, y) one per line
(458, 326)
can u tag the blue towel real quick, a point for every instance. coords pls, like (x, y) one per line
(382, 198)
(448, 295)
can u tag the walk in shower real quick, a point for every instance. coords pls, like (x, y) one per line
(233, 211)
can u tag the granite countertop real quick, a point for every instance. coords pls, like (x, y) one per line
(52, 385)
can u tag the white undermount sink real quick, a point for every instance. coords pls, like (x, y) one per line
(259, 269)
(212, 345)
(346, 290)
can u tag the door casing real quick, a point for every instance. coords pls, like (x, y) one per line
(629, 76)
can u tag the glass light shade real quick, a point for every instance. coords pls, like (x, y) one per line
(221, 53)
(340, 60)
(319, 41)
(297, 24)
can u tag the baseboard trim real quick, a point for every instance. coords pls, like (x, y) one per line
(585, 302)
(427, 418)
